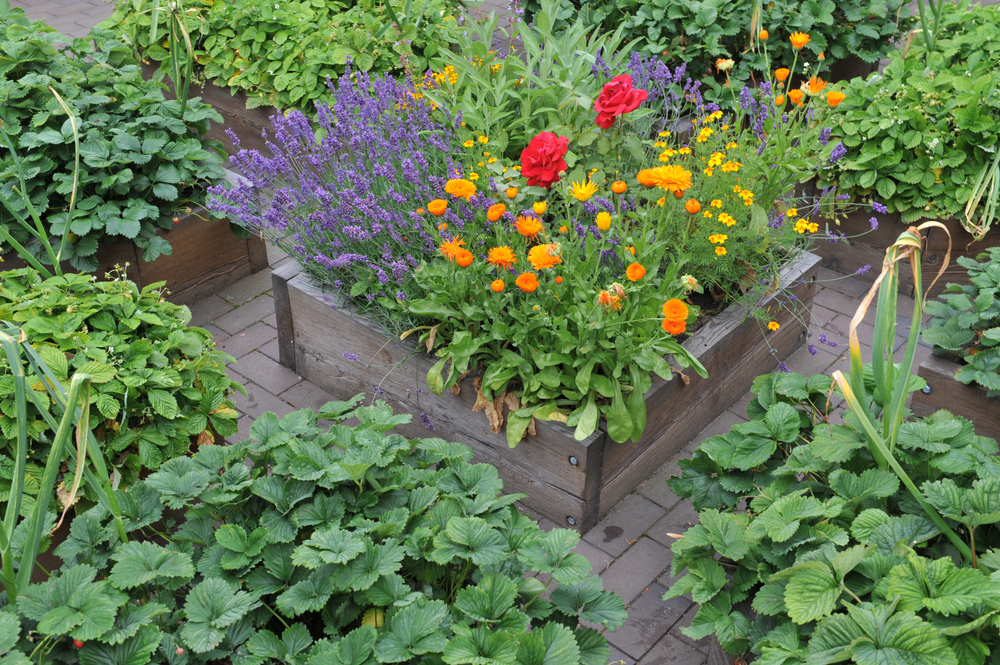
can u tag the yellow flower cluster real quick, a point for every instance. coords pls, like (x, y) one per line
(719, 238)
(716, 159)
(726, 219)
(716, 203)
(731, 167)
(804, 225)
(704, 134)
(714, 116)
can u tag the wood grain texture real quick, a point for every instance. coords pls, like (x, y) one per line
(283, 312)
(326, 334)
(969, 402)
(869, 249)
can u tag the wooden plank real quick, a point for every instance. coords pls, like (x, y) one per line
(864, 247)
(969, 402)
(733, 351)
(962, 244)
(541, 465)
(206, 257)
(283, 312)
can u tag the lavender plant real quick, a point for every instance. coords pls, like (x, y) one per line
(339, 193)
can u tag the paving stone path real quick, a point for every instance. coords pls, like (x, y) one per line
(630, 547)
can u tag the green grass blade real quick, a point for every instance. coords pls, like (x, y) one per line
(10, 347)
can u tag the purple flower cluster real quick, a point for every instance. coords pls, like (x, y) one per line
(838, 151)
(341, 193)
(879, 208)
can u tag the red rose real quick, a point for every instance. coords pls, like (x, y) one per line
(617, 98)
(542, 160)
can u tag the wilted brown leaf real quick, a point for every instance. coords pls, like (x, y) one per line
(206, 439)
(430, 338)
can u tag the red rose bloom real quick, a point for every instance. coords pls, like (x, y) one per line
(542, 160)
(617, 97)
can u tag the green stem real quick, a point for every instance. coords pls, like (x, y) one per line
(276, 615)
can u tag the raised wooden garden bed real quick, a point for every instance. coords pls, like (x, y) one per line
(969, 402)
(207, 257)
(247, 124)
(869, 249)
(573, 483)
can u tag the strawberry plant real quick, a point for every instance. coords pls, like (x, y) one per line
(158, 386)
(139, 164)
(310, 544)
(869, 540)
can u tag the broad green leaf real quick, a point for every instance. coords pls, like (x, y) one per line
(328, 545)
(726, 533)
(413, 631)
(376, 560)
(140, 563)
(552, 645)
(553, 554)
(812, 592)
(480, 646)
(211, 607)
(489, 600)
(136, 650)
(468, 538)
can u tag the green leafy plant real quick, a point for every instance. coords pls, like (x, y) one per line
(966, 322)
(282, 54)
(310, 544)
(158, 386)
(922, 134)
(846, 536)
(128, 168)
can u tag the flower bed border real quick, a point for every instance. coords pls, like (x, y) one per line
(967, 401)
(573, 483)
(206, 257)
(869, 249)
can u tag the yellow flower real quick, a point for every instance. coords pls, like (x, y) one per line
(731, 145)
(719, 238)
(469, 143)
(708, 172)
(664, 134)
(737, 189)
(482, 163)
(773, 325)
(720, 251)
(798, 39)
(659, 144)
(716, 203)
(792, 212)
(707, 214)
(704, 134)
(726, 219)
(544, 256)
(582, 191)
(460, 189)
(483, 139)
(603, 221)
(539, 207)
(491, 160)
(473, 176)
(664, 156)
(731, 167)
(685, 150)
(486, 154)
(662, 202)
(671, 178)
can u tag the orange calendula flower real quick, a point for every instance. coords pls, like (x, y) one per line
(539, 207)
(816, 85)
(635, 272)
(437, 207)
(603, 221)
(672, 178)
(834, 98)
(582, 191)
(782, 74)
(674, 326)
(460, 188)
(779, 100)
(618, 187)
(563, 229)
(692, 206)
(545, 256)
(497, 285)
(675, 309)
(527, 226)
(420, 211)
(527, 282)
(501, 257)
(795, 96)
(724, 64)
(511, 192)
(496, 211)
(798, 39)
(631, 250)
(443, 226)
(451, 248)
(605, 299)
(559, 279)
(464, 258)
(763, 35)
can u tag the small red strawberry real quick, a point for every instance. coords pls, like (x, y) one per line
(180, 651)
(78, 644)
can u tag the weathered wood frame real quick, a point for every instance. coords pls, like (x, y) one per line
(573, 483)
(969, 402)
(206, 257)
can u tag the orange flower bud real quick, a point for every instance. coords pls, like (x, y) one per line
(559, 279)
(782, 74)
(618, 187)
(539, 208)
(795, 96)
(437, 207)
(692, 206)
(497, 285)
(511, 192)
(763, 35)
(464, 258)
(779, 100)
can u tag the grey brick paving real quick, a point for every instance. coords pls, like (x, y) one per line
(634, 563)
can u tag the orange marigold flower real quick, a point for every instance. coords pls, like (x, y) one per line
(437, 207)
(795, 96)
(798, 39)
(834, 98)
(420, 211)
(618, 187)
(559, 279)
(720, 251)
(539, 207)
(443, 226)
(603, 221)
(816, 85)
(544, 256)
(674, 326)
(763, 35)
(464, 258)
(773, 325)
(451, 248)
(527, 282)
(563, 229)
(675, 309)
(460, 188)
(496, 211)
(671, 178)
(779, 100)
(497, 285)
(501, 257)
(527, 226)
(692, 206)
(511, 192)
(635, 272)
(782, 74)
